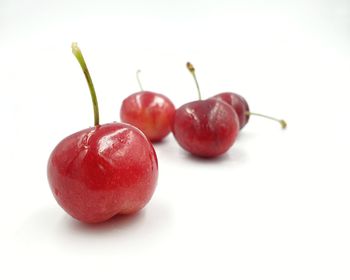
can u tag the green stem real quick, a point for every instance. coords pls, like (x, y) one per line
(193, 72)
(77, 53)
(283, 123)
(138, 79)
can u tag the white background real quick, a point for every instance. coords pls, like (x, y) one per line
(276, 206)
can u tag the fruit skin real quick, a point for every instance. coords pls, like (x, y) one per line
(238, 103)
(151, 112)
(102, 171)
(206, 128)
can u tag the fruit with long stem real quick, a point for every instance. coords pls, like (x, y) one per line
(104, 170)
(205, 128)
(151, 112)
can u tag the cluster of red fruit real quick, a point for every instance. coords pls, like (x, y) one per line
(112, 169)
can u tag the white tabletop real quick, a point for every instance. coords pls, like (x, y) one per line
(276, 206)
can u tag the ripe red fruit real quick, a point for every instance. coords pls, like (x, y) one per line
(240, 105)
(151, 112)
(205, 128)
(102, 171)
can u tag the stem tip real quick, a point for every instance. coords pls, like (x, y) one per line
(283, 124)
(75, 47)
(192, 71)
(190, 67)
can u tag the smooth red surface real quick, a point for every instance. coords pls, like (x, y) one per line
(238, 103)
(103, 171)
(206, 128)
(151, 112)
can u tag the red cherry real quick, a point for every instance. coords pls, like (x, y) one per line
(240, 105)
(102, 171)
(151, 112)
(205, 128)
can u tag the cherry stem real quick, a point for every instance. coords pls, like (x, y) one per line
(79, 56)
(192, 71)
(283, 123)
(138, 79)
